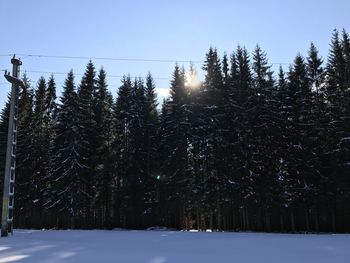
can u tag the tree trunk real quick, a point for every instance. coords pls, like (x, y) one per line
(224, 222)
(259, 219)
(334, 228)
(317, 224)
(282, 223)
(211, 219)
(268, 223)
(203, 223)
(198, 220)
(307, 223)
(247, 219)
(234, 222)
(292, 223)
(242, 212)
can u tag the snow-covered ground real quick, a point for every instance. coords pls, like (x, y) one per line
(171, 247)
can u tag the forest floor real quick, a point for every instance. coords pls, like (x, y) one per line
(121, 246)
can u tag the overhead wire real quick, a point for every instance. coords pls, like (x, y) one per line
(119, 59)
(106, 58)
(81, 74)
(25, 55)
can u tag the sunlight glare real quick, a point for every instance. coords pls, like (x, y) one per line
(163, 92)
(191, 79)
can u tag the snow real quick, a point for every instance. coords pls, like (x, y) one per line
(171, 247)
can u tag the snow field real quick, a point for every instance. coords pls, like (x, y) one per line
(98, 246)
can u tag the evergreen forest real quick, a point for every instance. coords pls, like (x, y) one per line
(248, 149)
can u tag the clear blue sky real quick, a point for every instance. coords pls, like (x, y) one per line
(155, 29)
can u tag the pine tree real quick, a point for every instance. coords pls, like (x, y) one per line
(261, 134)
(345, 42)
(122, 149)
(239, 180)
(214, 161)
(283, 121)
(67, 185)
(213, 79)
(140, 180)
(49, 123)
(337, 128)
(318, 136)
(335, 69)
(301, 157)
(40, 146)
(86, 128)
(281, 79)
(152, 122)
(241, 74)
(24, 158)
(174, 150)
(161, 193)
(345, 140)
(151, 125)
(103, 162)
(314, 68)
(225, 70)
(260, 68)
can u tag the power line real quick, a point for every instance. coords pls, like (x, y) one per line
(62, 83)
(120, 59)
(81, 74)
(107, 58)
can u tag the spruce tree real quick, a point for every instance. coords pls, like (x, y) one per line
(314, 68)
(301, 157)
(281, 79)
(103, 162)
(174, 150)
(24, 158)
(49, 122)
(345, 42)
(122, 149)
(141, 181)
(86, 130)
(214, 162)
(151, 125)
(335, 93)
(336, 70)
(261, 134)
(40, 149)
(240, 176)
(337, 130)
(345, 140)
(67, 185)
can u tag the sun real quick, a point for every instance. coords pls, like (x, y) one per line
(191, 79)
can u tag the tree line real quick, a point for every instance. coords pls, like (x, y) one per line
(247, 149)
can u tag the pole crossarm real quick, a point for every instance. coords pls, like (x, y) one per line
(13, 80)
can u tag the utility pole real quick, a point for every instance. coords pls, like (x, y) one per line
(10, 164)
